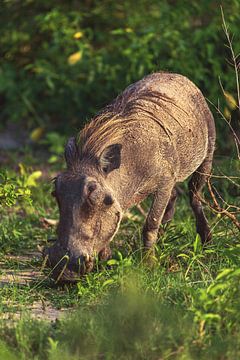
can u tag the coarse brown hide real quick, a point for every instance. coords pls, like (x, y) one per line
(157, 133)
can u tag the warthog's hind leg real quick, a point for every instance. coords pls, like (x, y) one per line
(170, 209)
(195, 186)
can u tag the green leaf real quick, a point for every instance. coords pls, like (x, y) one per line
(224, 273)
(183, 256)
(197, 245)
(112, 262)
(108, 282)
(31, 180)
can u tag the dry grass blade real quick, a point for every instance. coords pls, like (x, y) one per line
(63, 269)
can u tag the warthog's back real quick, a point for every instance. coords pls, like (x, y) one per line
(181, 109)
(162, 121)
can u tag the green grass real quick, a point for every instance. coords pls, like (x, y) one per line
(186, 306)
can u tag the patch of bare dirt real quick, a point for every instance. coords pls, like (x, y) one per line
(20, 277)
(38, 310)
(23, 276)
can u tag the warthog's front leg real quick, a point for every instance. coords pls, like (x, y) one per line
(159, 205)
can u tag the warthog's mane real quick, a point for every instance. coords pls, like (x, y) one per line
(109, 125)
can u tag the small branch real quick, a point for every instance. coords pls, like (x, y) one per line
(236, 138)
(216, 208)
(225, 29)
(216, 205)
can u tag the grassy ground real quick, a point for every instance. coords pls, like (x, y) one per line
(185, 307)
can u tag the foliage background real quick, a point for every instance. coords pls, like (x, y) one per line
(62, 60)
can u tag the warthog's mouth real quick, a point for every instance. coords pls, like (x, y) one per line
(64, 267)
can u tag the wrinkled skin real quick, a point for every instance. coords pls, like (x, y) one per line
(155, 134)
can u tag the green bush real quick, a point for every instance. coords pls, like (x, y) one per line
(63, 60)
(13, 190)
(218, 305)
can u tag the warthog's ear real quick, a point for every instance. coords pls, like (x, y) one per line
(71, 152)
(110, 158)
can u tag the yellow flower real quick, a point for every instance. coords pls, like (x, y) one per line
(36, 134)
(78, 35)
(232, 103)
(227, 113)
(74, 58)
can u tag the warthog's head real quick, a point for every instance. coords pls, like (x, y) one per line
(89, 212)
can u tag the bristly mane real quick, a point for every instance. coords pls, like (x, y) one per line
(109, 126)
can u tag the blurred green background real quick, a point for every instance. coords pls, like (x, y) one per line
(63, 60)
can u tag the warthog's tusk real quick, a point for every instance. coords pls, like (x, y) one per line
(87, 257)
(51, 222)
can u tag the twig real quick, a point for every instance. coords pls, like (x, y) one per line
(225, 29)
(216, 208)
(236, 139)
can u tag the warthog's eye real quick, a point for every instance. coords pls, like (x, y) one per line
(91, 187)
(108, 200)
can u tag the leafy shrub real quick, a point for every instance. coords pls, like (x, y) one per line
(11, 190)
(63, 60)
(15, 192)
(16, 187)
(218, 305)
(56, 143)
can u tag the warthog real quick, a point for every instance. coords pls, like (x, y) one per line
(155, 134)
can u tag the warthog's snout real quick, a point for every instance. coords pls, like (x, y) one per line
(67, 267)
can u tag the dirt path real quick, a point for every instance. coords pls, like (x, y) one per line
(15, 270)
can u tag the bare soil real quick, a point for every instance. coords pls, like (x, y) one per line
(24, 277)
